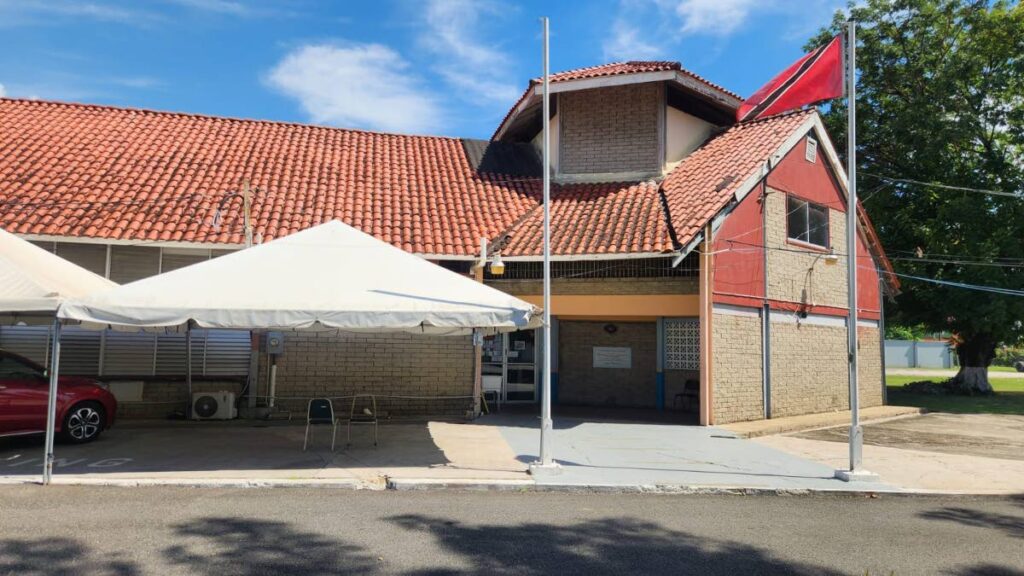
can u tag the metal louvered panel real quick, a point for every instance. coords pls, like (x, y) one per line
(227, 353)
(32, 342)
(130, 263)
(172, 260)
(170, 354)
(92, 257)
(79, 351)
(129, 354)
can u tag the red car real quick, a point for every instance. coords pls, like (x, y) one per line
(84, 407)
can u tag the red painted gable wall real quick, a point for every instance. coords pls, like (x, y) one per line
(738, 266)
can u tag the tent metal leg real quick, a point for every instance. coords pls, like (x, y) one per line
(51, 405)
(188, 370)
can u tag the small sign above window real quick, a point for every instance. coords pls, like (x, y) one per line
(807, 222)
(811, 152)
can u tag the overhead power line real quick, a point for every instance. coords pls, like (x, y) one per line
(1017, 195)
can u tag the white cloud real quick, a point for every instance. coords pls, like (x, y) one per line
(357, 86)
(454, 37)
(648, 29)
(628, 42)
(37, 12)
(221, 6)
(3, 91)
(715, 17)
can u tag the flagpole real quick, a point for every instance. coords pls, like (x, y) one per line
(546, 460)
(856, 438)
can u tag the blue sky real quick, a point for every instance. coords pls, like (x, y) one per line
(450, 67)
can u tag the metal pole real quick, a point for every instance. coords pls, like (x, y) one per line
(545, 410)
(51, 404)
(247, 213)
(856, 438)
(188, 369)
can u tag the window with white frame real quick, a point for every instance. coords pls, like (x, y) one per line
(682, 344)
(806, 222)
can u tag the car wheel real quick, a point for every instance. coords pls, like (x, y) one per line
(83, 422)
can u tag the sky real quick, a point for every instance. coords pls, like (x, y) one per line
(443, 67)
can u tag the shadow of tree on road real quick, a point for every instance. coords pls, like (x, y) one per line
(244, 547)
(606, 546)
(989, 570)
(58, 556)
(1012, 526)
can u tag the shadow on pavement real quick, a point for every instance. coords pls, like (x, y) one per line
(605, 546)
(237, 546)
(1012, 526)
(58, 556)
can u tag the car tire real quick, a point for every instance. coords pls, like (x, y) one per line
(83, 422)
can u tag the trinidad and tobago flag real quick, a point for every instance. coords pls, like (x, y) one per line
(815, 77)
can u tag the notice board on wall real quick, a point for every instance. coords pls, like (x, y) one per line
(613, 357)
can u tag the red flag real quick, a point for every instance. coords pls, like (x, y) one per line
(815, 77)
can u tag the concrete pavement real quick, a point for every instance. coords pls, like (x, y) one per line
(168, 531)
(953, 453)
(632, 454)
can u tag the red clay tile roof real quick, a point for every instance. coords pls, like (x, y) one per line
(704, 182)
(612, 69)
(596, 219)
(631, 67)
(121, 174)
(112, 173)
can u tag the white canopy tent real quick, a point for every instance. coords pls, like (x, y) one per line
(331, 276)
(33, 284)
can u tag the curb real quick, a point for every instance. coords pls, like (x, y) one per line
(783, 430)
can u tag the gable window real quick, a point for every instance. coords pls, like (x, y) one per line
(807, 222)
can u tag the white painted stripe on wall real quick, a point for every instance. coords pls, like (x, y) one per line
(730, 310)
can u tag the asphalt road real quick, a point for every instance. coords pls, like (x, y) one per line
(221, 532)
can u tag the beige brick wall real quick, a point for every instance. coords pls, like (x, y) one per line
(869, 363)
(616, 129)
(809, 369)
(737, 392)
(332, 364)
(601, 286)
(801, 275)
(808, 364)
(582, 384)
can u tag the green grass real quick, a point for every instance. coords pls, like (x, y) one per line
(1001, 369)
(1008, 399)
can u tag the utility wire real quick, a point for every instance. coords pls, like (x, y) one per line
(1017, 195)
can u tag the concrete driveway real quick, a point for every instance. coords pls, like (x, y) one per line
(495, 449)
(616, 454)
(220, 452)
(972, 453)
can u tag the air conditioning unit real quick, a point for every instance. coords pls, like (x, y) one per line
(214, 406)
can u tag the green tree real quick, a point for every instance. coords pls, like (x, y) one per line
(941, 100)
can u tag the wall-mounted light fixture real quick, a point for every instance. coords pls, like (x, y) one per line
(831, 259)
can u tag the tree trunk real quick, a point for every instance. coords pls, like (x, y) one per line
(975, 354)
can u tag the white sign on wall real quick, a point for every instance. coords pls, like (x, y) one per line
(613, 357)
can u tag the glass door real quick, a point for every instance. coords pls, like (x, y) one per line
(521, 366)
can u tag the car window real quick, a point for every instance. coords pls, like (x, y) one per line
(12, 368)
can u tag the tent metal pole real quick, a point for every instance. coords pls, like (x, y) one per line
(188, 369)
(51, 404)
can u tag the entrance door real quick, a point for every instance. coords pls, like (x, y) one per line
(521, 367)
(512, 358)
